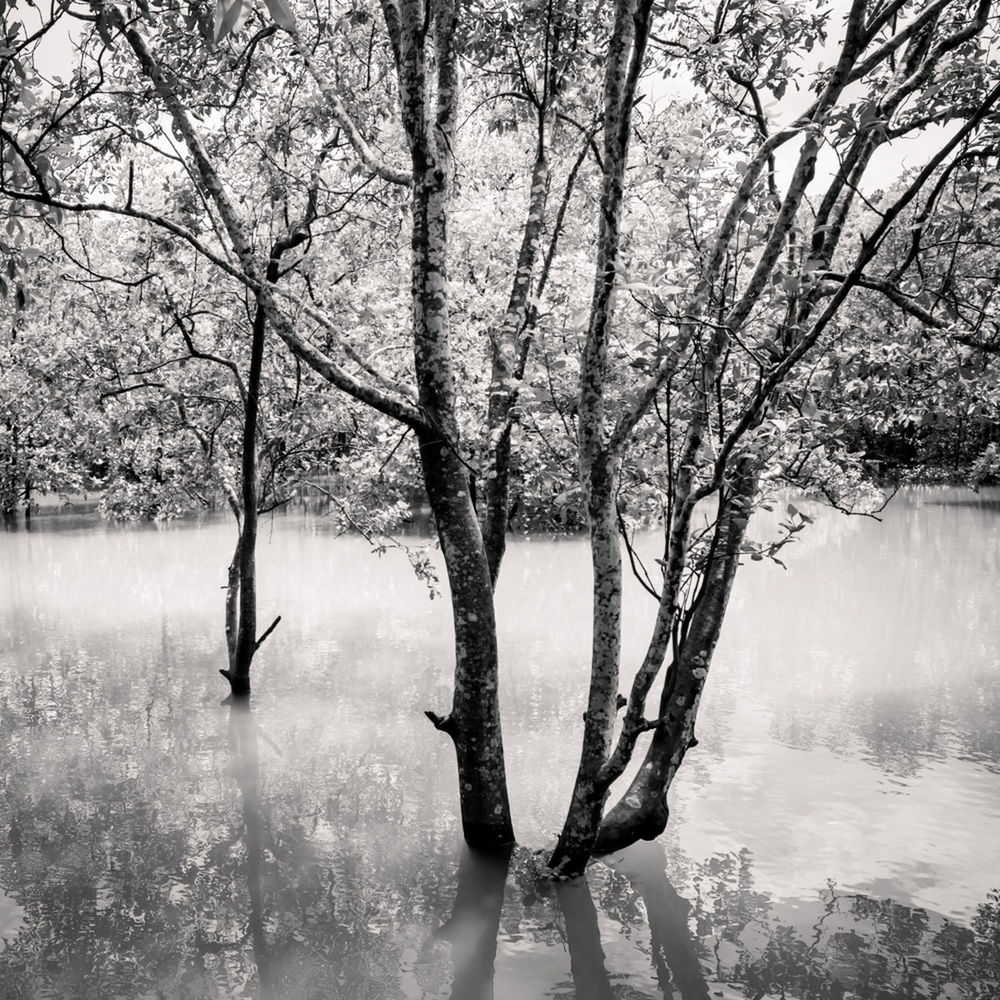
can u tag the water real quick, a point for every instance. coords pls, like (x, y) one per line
(833, 836)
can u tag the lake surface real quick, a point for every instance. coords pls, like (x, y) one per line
(834, 835)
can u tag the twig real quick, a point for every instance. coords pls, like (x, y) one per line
(270, 629)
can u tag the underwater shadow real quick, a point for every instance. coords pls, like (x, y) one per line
(244, 748)
(474, 924)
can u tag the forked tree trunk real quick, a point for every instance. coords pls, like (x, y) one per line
(641, 814)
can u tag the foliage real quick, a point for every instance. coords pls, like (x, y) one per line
(544, 289)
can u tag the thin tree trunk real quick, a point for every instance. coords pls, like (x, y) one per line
(242, 652)
(589, 790)
(641, 814)
(598, 461)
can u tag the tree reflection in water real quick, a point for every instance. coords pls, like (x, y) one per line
(202, 863)
(246, 766)
(474, 923)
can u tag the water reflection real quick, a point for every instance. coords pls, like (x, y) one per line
(157, 845)
(472, 928)
(583, 939)
(246, 767)
(841, 944)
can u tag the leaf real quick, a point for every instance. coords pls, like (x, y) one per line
(281, 13)
(229, 17)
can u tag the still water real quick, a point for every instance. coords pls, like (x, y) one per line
(833, 836)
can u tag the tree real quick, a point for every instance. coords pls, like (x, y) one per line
(714, 293)
(767, 284)
(426, 68)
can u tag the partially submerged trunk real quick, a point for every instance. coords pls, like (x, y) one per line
(429, 95)
(241, 589)
(241, 585)
(600, 457)
(641, 814)
(474, 720)
(590, 789)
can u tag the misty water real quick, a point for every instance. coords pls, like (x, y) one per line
(834, 834)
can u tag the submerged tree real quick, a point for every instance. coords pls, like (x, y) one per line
(422, 59)
(760, 295)
(726, 249)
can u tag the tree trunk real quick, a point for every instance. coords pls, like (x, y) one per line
(590, 791)
(241, 652)
(642, 812)
(598, 459)
(474, 720)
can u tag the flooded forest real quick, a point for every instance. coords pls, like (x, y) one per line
(500, 500)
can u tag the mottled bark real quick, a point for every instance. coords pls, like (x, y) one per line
(589, 790)
(509, 356)
(598, 464)
(641, 814)
(474, 720)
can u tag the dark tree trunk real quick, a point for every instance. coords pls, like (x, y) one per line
(241, 651)
(474, 720)
(641, 814)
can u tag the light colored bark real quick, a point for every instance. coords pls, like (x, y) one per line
(598, 464)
